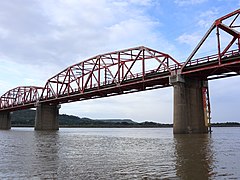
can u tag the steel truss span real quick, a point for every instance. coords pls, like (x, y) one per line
(21, 97)
(224, 34)
(131, 70)
(112, 73)
(109, 74)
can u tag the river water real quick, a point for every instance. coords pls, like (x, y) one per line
(114, 153)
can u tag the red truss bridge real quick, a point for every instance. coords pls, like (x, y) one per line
(138, 69)
(114, 73)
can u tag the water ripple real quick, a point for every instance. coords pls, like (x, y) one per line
(118, 154)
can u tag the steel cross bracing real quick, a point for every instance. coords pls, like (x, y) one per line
(225, 33)
(110, 74)
(132, 70)
(21, 97)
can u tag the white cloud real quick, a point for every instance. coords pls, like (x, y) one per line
(141, 2)
(189, 39)
(155, 105)
(188, 2)
(204, 22)
(209, 47)
(133, 32)
(15, 74)
(206, 18)
(63, 30)
(66, 30)
(76, 13)
(3, 33)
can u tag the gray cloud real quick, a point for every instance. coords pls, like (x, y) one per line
(64, 31)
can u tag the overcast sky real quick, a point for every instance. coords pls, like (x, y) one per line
(39, 38)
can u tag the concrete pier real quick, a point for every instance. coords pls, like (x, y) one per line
(189, 116)
(5, 120)
(47, 117)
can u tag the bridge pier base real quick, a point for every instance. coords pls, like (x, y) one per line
(47, 117)
(5, 120)
(189, 116)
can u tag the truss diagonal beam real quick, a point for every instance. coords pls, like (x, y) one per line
(218, 24)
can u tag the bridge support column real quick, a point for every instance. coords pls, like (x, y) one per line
(5, 120)
(189, 116)
(47, 117)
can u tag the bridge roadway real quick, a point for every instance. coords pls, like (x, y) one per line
(129, 71)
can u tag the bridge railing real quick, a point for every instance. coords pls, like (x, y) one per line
(136, 76)
(213, 58)
(225, 32)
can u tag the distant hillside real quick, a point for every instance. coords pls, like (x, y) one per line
(117, 121)
(23, 117)
(27, 118)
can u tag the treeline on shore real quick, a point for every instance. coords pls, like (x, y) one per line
(26, 118)
(226, 124)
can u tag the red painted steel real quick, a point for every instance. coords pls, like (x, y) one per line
(112, 73)
(132, 70)
(227, 29)
(20, 97)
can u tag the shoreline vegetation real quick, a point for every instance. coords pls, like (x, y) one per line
(26, 118)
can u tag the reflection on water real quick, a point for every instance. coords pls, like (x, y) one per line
(118, 154)
(194, 156)
(46, 150)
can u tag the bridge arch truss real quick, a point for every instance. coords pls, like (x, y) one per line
(22, 96)
(109, 74)
(227, 47)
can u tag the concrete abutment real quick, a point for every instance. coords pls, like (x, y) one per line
(46, 117)
(189, 115)
(5, 121)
